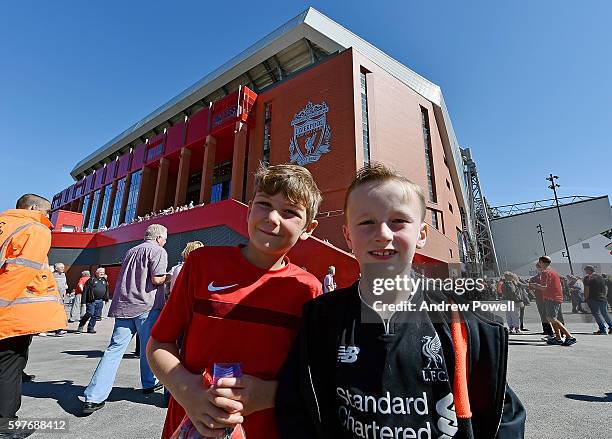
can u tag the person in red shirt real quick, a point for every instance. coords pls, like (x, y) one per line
(75, 309)
(550, 286)
(239, 304)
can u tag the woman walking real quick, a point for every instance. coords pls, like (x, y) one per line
(511, 293)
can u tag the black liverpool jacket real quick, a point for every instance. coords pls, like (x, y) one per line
(306, 410)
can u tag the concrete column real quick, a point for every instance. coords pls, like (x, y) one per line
(238, 161)
(208, 169)
(180, 195)
(162, 183)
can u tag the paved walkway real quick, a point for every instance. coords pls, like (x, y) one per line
(567, 390)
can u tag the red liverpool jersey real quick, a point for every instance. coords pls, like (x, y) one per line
(231, 311)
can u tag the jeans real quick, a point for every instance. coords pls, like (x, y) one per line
(93, 310)
(599, 309)
(512, 317)
(75, 308)
(576, 302)
(103, 378)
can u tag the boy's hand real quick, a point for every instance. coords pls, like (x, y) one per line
(255, 394)
(209, 412)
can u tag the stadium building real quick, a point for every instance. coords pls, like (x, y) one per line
(525, 231)
(311, 93)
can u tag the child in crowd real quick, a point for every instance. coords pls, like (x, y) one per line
(378, 365)
(239, 304)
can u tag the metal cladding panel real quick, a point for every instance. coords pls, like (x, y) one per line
(224, 112)
(65, 195)
(70, 194)
(99, 178)
(155, 148)
(74, 256)
(175, 138)
(57, 200)
(89, 181)
(247, 104)
(218, 235)
(111, 171)
(138, 154)
(197, 127)
(79, 188)
(123, 165)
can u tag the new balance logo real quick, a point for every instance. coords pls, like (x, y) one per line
(347, 354)
(213, 288)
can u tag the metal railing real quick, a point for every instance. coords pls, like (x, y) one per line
(530, 206)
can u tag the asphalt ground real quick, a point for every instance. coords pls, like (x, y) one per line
(567, 390)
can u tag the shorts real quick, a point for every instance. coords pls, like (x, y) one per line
(553, 309)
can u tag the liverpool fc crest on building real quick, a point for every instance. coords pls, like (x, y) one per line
(311, 134)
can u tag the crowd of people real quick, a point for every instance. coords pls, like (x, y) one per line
(149, 216)
(591, 294)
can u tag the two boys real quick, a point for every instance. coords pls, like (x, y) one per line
(354, 371)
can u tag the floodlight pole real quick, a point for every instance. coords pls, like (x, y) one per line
(539, 227)
(554, 187)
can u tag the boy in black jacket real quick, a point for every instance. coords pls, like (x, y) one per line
(378, 359)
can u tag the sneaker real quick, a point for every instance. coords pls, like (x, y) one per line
(569, 341)
(555, 341)
(42, 334)
(60, 333)
(600, 333)
(71, 321)
(25, 378)
(91, 331)
(90, 407)
(548, 337)
(81, 329)
(153, 389)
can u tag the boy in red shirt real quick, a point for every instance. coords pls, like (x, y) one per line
(239, 304)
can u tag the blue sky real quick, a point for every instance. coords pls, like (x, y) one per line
(527, 83)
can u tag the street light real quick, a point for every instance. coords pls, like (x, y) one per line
(539, 227)
(554, 187)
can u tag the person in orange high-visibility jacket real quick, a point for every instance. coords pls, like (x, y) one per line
(29, 300)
